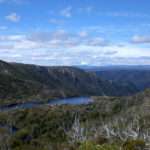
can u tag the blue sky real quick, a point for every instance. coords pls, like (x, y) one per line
(75, 32)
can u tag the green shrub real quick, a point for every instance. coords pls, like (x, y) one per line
(134, 145)
(107, 147)
(91, 146)
(100, 140)
(19, 138)
(22, 134)
(87, 146)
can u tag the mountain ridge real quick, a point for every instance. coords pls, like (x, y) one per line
(25, 82)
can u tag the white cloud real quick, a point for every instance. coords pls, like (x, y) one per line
(11, 38)
(140, 39)
(97, 41)
(66, 12)
(6, 47)
(83, 34)
(125, 14)
(13, 17)
(61, 38)
(63, 48)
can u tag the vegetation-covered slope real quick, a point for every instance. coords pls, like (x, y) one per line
(139, 78)
(110, 123)
(20, 82)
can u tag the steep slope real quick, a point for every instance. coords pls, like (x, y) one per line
(138, 78)
(21, 82)
(132, 78)
(26, 82)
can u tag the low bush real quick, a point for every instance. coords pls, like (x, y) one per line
(134, 145)
(91, 146)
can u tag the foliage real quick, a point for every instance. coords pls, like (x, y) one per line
(97, 126)
(91, 146)
(134, 145)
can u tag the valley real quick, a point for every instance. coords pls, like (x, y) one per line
(45, 108)
(21, 82)
(107, 123)
(74, 74)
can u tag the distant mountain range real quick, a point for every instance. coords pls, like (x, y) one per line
(127, 76)
(21, 82)
(115, 67)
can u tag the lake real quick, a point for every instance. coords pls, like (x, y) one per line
(64, 101)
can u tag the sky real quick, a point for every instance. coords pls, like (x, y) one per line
(75, 32)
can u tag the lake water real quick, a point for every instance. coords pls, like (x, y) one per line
(65, 101)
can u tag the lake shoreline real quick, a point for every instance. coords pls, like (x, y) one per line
(51, 102)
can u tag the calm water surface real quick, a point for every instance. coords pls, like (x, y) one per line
(65, 101)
